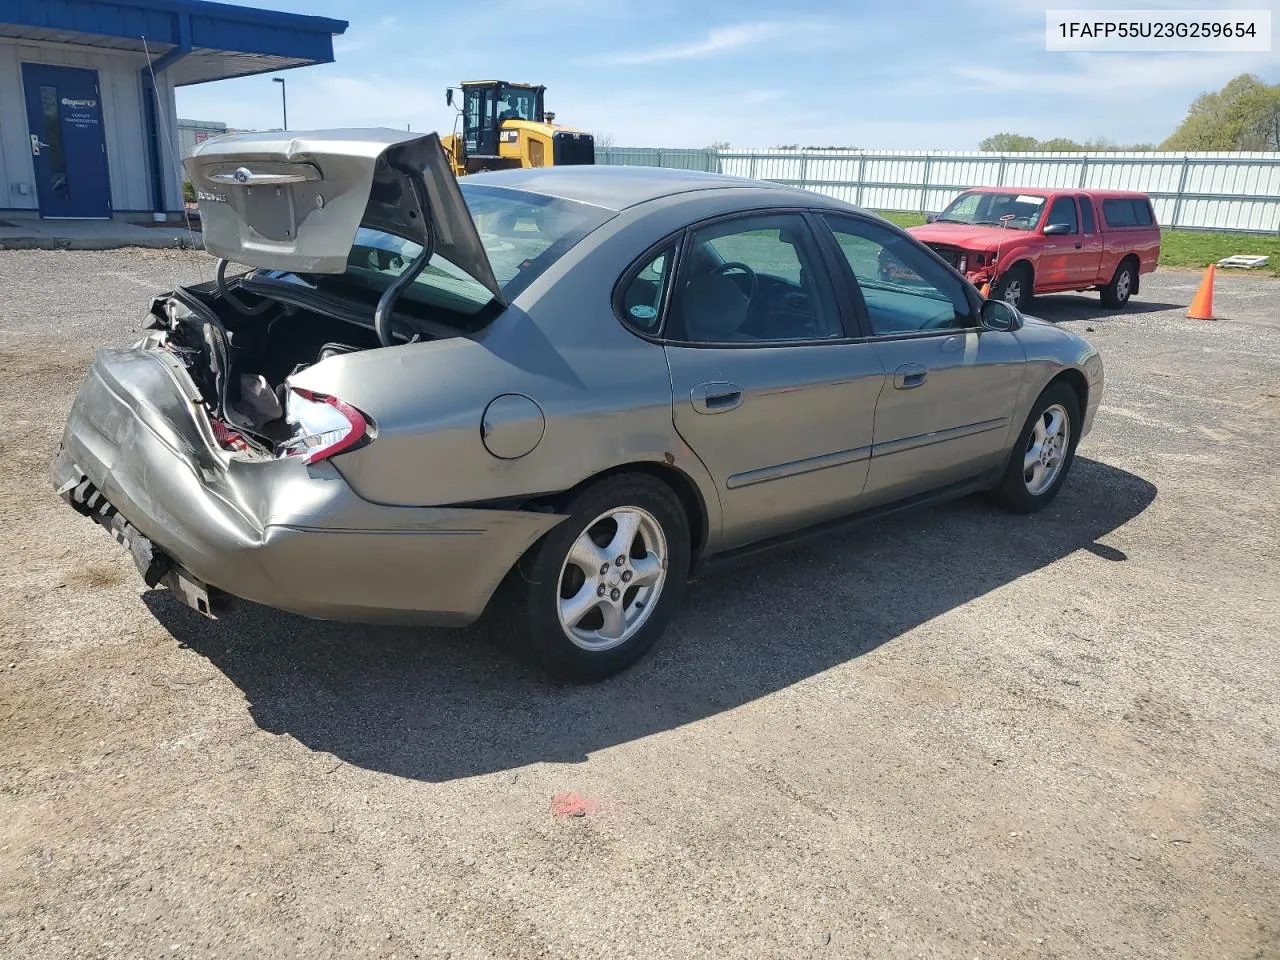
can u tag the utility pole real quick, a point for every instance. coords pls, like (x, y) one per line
(284, 103)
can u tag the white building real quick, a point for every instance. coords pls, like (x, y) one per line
(88, 125)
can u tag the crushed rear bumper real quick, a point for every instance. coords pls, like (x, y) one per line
(139, 452)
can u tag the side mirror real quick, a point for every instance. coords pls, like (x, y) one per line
(1057, 229)
(930, 217)
(999, 315)
(448, 96)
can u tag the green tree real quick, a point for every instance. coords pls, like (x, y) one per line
(1107, 145)
(1016, 142)
(1009, 143)
(1254, 119)
(1243, 115)
(1059, 145)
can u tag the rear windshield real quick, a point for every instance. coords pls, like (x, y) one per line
(1127, 213)
(522, 233)
(525, 233)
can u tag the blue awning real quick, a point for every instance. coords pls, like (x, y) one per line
(194, 41)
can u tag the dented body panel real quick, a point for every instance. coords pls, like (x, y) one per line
(276, 532)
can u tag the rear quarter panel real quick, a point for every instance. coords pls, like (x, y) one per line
(1149, 249)
(605, 400)
(1118, 243)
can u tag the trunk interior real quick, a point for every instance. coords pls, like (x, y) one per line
(240, 350)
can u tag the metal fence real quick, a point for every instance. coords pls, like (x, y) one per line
(1190, 191)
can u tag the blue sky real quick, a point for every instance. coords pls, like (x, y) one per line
(674, 73)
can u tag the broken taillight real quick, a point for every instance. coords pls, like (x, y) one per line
(322, 426)
(228, 439)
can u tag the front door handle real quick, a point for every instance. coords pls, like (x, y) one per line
(909, 375)
(716, 397)
(1079, 245)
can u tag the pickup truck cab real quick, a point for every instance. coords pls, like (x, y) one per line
(1026, 241)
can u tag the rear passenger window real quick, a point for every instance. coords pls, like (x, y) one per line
(1142, 213)
(754, 279)
(1119, 213)
(1086, 214)
(641, 300)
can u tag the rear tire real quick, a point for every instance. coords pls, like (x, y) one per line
(1014, 286)
(588, 615)
(1116, 294)
(1042, 456)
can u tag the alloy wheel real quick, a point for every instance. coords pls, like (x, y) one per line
(611, 579)
(1124, 284)
(1046, 449)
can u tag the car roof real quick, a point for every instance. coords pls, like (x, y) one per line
(1126, 194)
(617, 188)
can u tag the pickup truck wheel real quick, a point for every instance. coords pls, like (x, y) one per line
(599, 589)
(1014, 287)
(1116, 293)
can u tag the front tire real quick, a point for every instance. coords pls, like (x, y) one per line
(1116, 294)
(1014, 287)
(1042, 457)
(598, 590)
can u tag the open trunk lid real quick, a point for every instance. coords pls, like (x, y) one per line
(293, 201)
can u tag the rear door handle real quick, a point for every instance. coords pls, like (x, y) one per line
(716, 397)
(1079, 245)
(909, 375)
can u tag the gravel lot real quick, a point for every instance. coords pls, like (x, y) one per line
(959, 734)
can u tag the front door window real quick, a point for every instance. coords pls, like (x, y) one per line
(904, 289)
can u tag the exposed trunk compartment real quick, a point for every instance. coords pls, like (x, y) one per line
(240, 357)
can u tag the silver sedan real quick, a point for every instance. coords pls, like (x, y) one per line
(567, 388)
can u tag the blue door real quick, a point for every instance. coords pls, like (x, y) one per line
(64, 118)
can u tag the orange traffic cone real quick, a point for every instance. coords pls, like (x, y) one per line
(1202, 303)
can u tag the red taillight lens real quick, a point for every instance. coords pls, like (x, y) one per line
(324, 426)
(228, 438)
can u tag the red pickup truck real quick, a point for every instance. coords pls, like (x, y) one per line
(1030, 241)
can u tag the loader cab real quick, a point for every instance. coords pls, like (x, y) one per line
(487, 104)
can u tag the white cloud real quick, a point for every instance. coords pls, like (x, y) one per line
(716, 41)
(361, 37)
(320, 97)
(1131, 76)
(1035, 9)
(758, 117)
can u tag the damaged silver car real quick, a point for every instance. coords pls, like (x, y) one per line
(579, 385)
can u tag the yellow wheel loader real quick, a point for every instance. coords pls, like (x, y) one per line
(504, 125)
